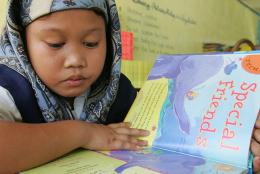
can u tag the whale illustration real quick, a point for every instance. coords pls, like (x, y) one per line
(187, 72)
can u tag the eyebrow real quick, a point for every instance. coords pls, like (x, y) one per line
(57, 30)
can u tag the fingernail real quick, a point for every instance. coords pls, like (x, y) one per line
(144, 143)
(147, 132)
(139, 148)
(257, 159)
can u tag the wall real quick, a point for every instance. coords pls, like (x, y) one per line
(258, 32)
(2, 12)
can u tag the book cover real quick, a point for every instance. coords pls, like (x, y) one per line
(200, 109)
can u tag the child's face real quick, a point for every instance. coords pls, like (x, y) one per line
(67, 50)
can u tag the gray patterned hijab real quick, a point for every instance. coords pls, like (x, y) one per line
(53, 107)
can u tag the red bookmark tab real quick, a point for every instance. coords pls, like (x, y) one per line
(127, 45)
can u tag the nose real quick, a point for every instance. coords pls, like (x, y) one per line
(75, 58)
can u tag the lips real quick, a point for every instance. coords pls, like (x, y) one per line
(75, 81)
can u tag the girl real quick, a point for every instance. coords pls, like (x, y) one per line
(60, 65)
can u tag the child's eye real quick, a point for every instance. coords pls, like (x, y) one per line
(55, 45)
(90, 44)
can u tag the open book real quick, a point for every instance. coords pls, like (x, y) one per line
(201, 111)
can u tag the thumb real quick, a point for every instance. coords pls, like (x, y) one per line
(256, 164)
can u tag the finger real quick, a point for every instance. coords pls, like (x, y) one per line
(255, 147)
(132, 140)
(142, 142)
(256, 164)
(128, 138)
(256, 135)
(131, 146)
(132, 131)
(257, 123)
(122, 145)
(119, 125)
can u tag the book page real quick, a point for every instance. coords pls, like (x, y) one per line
(83, 161)
(162, 161)
(79, 162)
(145, 112)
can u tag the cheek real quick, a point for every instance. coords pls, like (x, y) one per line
(96, 64)
(46, 71)
(45, 65)
(98, 60)
(42, 58)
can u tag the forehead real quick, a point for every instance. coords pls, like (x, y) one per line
(71, 19)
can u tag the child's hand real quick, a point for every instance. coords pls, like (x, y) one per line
(255, 145)
(114, 137)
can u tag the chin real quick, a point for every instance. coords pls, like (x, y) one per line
(73, 93)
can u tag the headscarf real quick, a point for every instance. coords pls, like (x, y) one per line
(20, 13)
